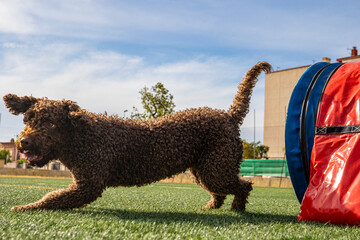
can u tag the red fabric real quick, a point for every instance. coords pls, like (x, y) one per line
(340, 102)
(333, 194)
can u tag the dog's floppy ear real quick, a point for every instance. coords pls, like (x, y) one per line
(79, 117)
(17, 105)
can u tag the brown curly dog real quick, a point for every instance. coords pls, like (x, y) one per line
(107, 151)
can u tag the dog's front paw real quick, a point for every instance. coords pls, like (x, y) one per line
(21, 208)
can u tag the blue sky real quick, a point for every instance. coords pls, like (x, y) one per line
(101, 53)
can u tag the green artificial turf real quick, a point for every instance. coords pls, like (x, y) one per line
(161, 211)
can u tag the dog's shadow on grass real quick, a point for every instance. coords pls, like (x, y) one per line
(209, 219)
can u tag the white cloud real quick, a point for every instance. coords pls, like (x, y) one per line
(13, 45)
(15, 18)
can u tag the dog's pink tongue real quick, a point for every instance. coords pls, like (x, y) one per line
(32, 158)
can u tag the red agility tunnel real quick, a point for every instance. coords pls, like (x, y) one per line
(333, 190)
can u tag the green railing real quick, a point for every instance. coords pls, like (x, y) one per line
(264, 167)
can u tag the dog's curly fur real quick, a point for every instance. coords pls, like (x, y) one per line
(106, 151)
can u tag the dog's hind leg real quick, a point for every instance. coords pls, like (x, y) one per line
(241, 195)
(230, 186)
(218, 173)
(216, 200)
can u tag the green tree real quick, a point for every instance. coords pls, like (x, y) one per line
(156, 101)
(5, 155)
(248, 150)
(254, 150)
(262, 150)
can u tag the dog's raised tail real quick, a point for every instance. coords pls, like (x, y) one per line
(240, 106)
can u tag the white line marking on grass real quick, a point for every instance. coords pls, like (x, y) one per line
(26, 176)
(25, 186)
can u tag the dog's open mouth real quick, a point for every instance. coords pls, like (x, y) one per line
(36, 160)
(32, 158)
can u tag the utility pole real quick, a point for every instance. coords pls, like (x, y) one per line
(254, 134)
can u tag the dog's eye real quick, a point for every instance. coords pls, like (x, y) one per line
(50, 125)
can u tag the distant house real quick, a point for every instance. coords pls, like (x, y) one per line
(11, 147)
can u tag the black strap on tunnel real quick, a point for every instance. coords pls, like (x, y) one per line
(337, 130)
(303, 142)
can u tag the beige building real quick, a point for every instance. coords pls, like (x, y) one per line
(278, 89)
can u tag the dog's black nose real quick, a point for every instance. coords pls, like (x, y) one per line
(25, 142)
